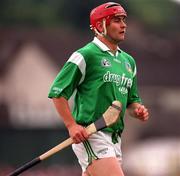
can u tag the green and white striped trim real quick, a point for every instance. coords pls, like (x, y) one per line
(91, 155)
(135, 71)
(78, 59)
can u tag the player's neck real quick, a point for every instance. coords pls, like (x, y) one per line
(112, 46)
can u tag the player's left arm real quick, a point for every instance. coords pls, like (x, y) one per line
(134, 105)
(138, 111)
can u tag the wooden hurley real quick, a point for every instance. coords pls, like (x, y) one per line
(109, 117)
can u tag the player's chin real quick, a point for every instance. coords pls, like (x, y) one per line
(121, 37)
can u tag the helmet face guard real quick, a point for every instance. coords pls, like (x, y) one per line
(105, 11)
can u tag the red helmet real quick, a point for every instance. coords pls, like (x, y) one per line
(106, 10)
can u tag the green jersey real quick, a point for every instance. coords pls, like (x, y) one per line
(98, 77)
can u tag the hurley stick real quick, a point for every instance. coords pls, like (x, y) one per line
(109, 117)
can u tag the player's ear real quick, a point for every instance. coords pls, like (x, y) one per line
(99, 26)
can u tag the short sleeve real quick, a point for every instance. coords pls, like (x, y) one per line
(70, 76)
(133, 96)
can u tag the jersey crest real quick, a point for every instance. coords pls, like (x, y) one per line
(128, 67)
(105, 62)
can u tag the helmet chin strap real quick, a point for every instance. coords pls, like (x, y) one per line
(104, 32)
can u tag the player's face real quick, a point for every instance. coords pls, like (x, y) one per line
(117, 28)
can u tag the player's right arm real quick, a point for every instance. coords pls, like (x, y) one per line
(61, 90)
(76, 132)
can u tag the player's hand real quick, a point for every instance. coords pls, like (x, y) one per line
(77, 133)
(141, 112)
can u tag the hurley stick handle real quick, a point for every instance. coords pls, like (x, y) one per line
(110, 116)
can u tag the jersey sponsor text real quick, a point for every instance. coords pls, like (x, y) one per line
(124, 83)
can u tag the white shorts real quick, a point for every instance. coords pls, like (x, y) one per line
(98, 145)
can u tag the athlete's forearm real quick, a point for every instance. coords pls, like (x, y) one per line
(64, 111)
(77, 132)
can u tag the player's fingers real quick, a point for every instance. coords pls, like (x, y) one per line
(145, 116)
(145, 111)
(77, 139)
(80, 136)
(136, 111)
(85, 134)
(141, 109)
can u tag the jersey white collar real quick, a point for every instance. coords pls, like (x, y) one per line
(102, 46)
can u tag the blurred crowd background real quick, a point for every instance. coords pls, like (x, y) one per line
(36, 39)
